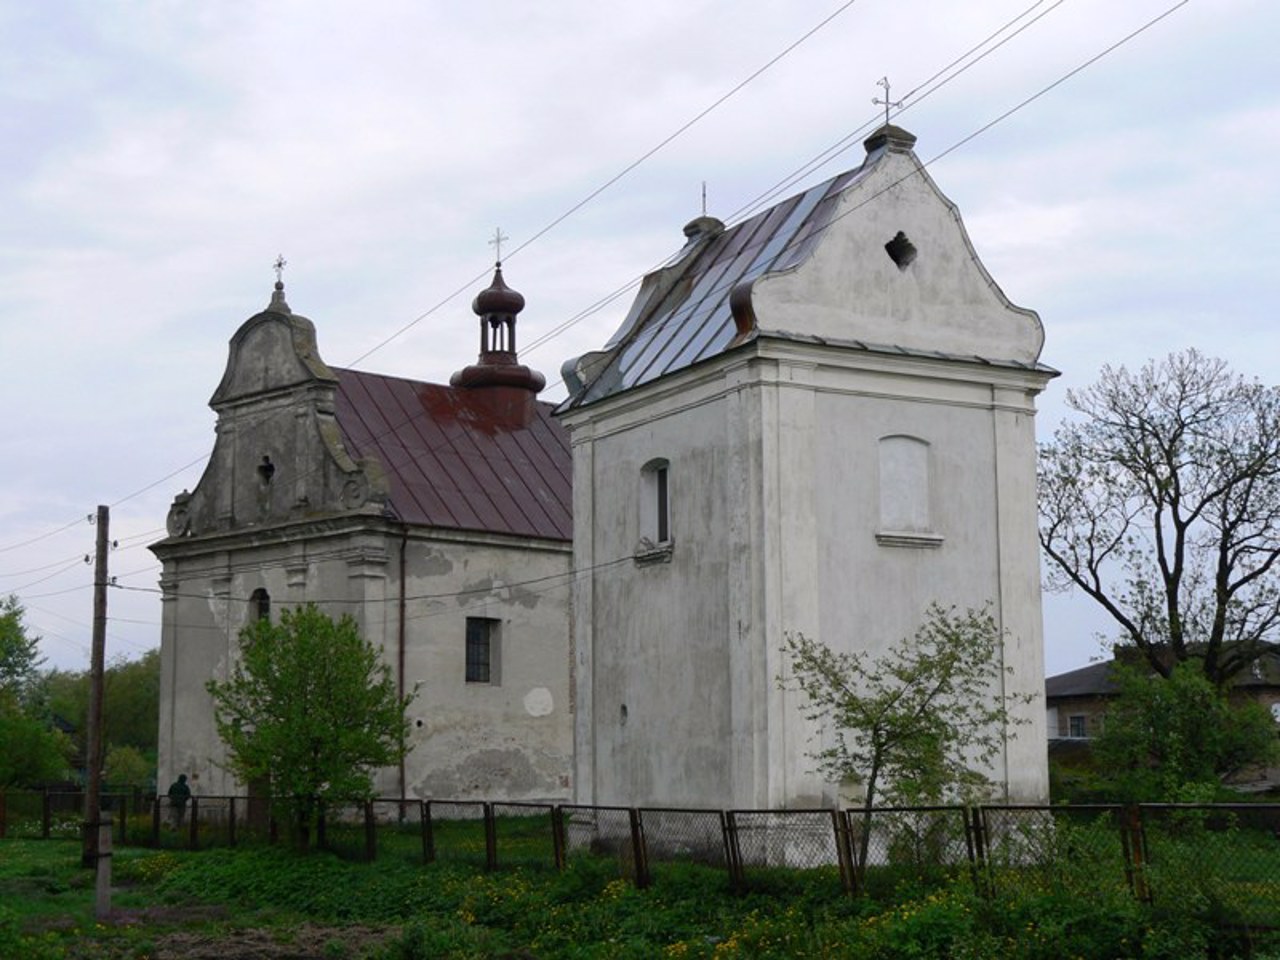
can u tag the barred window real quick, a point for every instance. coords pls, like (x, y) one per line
(482, 650)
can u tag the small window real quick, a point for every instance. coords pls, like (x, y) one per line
(260, 604)
(655, 503)
(1076, 727)
(482, 650)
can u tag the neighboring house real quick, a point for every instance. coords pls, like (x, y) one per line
(437, 516)
(818, 420)
(1076, 701)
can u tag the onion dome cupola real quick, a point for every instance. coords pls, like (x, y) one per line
(497, 307)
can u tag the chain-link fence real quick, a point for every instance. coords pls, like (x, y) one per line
(1219, 859)
(923, 845)
(527, 835)
(1224, 860)
(612, 832)
(1083, 849)
(768, 849)
(460, 832)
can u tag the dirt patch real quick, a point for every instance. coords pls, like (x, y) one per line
(297, 943)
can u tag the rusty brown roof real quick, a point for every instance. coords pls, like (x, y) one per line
(451, 463)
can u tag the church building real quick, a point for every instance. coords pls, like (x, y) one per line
(818, 420)
(438, 517)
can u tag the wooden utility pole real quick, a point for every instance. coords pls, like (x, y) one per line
(93, 738)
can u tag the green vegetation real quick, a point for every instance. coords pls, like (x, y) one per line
(311, 710)
(214, 903)
(1175, 739)
(915, 725)
(130, 712)
(31, 750)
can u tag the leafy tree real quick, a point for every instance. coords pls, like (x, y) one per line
(917, 724)
(1176, 738)
(31, 751)
(1163, 505)
(310, 708)
(131, 702)
(19, 653)
(127, 767)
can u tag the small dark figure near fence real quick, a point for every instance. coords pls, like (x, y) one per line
(179, 794)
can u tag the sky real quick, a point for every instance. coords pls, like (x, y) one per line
(156, 157)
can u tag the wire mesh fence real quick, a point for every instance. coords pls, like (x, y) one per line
(612, 832)
(1083, 849)
(1223, 858)
(400, 830)
(460, 831)
(768, 847)
(923, 845)
(526, 835)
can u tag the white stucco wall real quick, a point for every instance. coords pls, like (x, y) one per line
(782, 532)
(511, 739)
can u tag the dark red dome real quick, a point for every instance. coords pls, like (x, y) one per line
(498, 298)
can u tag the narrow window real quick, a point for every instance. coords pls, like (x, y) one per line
(655, 504)
(482, 650)
(260, 604)
(660, 491)
(1076, 726)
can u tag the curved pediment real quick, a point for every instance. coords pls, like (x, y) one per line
(270, 352)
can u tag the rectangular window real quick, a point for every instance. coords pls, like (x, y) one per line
(1076, 726)
(660, 482)
(482, 650)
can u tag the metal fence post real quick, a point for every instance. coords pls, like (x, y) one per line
(124, 819)
(844, 851)
(1133, 841)
(975, 838)
(231, 822)
(733, 853)
(4, 814)
(155, 821)
(557, 836)
(428, 835)
(46, 813)
(490, 839)
(639, 852)
(193, 838)
(425, 819)
(370, 833)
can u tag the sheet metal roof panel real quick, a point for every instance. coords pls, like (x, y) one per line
(693, 321)
(451, 463)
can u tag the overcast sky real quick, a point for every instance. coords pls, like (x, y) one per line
(156, 157)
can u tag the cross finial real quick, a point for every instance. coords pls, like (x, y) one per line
(279, 266)
(496, 243)
(886, 102)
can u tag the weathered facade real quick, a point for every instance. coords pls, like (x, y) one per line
(820, 420)
(437, 516)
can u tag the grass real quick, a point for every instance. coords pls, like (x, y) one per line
(268, 902)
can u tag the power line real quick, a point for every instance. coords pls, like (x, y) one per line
(616, 177)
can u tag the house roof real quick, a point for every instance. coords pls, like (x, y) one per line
(1095, 680)
(1090, 681)
(682, 314)
(453, 462)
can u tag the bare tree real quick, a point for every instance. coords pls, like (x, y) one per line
(1163, 505)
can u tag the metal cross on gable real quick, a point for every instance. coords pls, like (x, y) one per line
(279, 266)
(498, 238)
(886, 102)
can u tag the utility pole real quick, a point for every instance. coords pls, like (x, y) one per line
(93, 739)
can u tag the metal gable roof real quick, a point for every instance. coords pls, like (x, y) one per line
(451, 463)
(693, 321)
